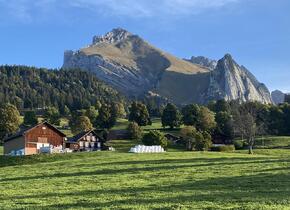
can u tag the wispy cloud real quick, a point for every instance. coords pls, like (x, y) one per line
(29, 10)
(151, 8)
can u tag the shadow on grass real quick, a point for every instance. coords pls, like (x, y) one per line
(183, 163)
(263, 188)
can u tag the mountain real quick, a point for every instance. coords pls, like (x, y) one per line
(136, 68)
(203, 61)
(126, 62)
(278, 96)
(29, 87)
(231, 81)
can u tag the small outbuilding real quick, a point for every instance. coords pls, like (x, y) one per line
(31, 140)
(174, 139)
(86, 141)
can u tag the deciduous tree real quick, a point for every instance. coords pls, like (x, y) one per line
(9, 120)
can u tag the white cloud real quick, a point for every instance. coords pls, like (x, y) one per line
(151, 8)
(28, 10)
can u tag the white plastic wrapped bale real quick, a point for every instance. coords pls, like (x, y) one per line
(146, 149)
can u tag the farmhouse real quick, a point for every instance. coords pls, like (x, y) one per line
(86, 141)
(31, 140)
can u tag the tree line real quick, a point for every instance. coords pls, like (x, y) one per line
(39, 88)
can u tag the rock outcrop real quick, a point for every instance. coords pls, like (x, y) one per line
(203, 61)
(278, 97)
(233, 82)
(137, 68)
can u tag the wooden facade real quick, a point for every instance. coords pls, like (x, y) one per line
(30, 141)
(86, 141)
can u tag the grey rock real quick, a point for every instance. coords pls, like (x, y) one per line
(134, 67)
(116, 35)
(203, 61)
(278, 96)
(230, 81)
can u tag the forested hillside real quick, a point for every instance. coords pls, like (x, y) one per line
(29, 87)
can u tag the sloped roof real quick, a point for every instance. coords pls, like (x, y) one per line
(22, 132)
(77, 137)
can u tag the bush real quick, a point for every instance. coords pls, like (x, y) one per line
(224, 148)
(155, 138)
(239, 144)
(194, 140)
(135, 131)
(202, 141)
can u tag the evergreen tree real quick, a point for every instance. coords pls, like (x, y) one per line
(107, 117)
(52, 115)
(225, 127)
(171, 116)
(139, 114)
(39, 88)
(190, 114)
(30, 118)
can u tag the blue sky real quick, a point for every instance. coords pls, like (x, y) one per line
(255, 32)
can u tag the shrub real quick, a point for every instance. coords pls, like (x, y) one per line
(239, 144)
(154, 138)
(224, 148)
(135, 131)
(202, 141)
(195, 140)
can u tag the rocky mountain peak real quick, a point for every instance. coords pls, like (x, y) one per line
(136, 68)
(114, 36)
(203, 61)
(228, 57)
(231, 81)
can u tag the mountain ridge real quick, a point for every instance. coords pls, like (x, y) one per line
(135, 67)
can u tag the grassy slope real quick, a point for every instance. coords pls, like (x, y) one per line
(146, 181)
(118, 180)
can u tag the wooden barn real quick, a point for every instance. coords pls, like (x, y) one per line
(86, 141)
(31, 140)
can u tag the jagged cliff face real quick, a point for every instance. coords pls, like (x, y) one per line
(136, 68)
(203, 61)
(233, 82)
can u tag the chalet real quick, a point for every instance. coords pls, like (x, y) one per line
(86, 141)
(31, 140)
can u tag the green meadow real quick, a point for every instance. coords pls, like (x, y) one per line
(172, 180)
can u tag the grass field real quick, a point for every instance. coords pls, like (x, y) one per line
(173, 180)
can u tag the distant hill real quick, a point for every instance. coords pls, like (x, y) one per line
(136, 68)
(29, 87)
